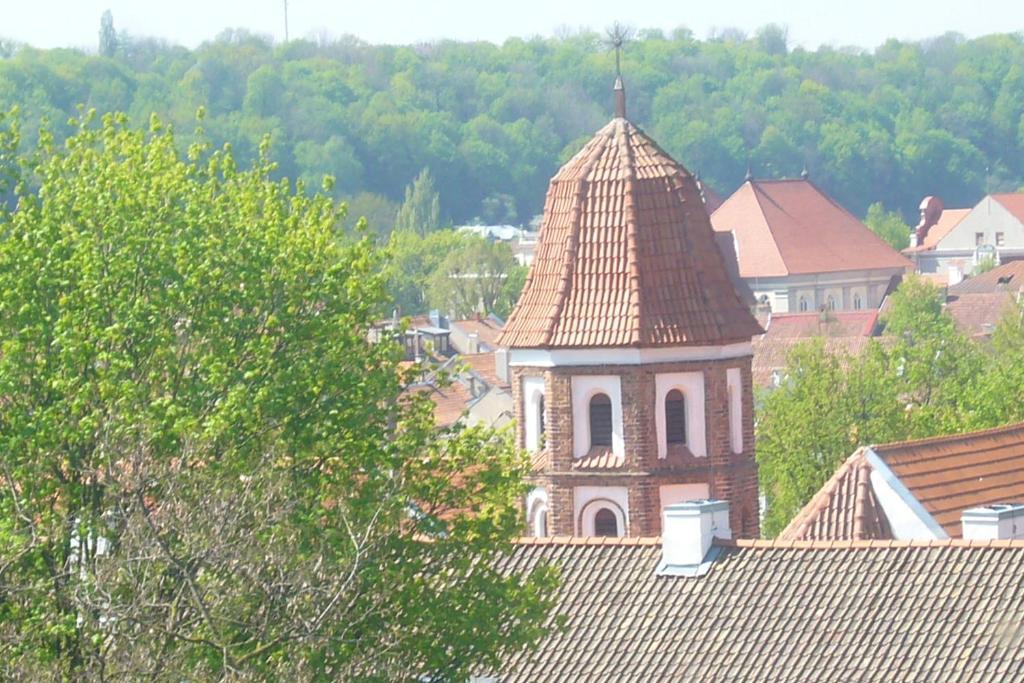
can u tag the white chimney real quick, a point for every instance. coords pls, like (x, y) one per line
(956, 275)
(1000, 521)
(473, 343)
(501, 364)
(687, 532)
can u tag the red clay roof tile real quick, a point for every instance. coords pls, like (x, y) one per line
(791, 227)
(626, 256)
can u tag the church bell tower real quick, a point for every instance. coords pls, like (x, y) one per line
(630, 350)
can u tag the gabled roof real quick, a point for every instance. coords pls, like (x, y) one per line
(948, 220)
(486, 329)
(949, 474)
(626, 256)
(1013, 202)
(845, 508)
(791, 227)
(945, 474)
(1008, 277)
(977, 315)
(484, 365)
(771, 611)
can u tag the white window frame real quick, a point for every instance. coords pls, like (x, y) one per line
(533, 394)
(584, 388)
(691, 385)
(734, 382)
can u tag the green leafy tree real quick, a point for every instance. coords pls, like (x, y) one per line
(472, 278)
(888, 225)
(207, 473)
(421, 211)
(922, 379)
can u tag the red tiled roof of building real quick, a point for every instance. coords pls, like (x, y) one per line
(949, 474)
(486, 329)
(845, 508)
(450, 402)
(845, 334)
(791, 227)
(977, 315)
(776, 611)
(484, 365)
(626, 256)
(1013, 202)
(946, 474)
(1008, 277)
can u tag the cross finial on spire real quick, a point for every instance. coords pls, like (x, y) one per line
(805, 174)
(617, 36)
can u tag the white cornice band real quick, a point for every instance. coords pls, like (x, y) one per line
(550, 358)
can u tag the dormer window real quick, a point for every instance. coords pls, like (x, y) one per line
(675, 417)
(605, 523)
(600, 420)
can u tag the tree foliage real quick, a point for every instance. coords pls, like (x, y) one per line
(207, 473)
(888, 225)
(891, 125)
(923, 378)
(420, 213)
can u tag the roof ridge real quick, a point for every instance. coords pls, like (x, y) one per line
(946, 437)
(632, 246)
(777, 543)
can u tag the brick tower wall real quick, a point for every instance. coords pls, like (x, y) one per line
(729, 476)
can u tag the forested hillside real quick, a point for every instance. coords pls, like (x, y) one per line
(493, 123)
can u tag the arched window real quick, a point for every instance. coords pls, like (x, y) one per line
(600, 420)
(605, 523)
(830, 302)
(803, 304)
(675, 417)
(858, 303)
(540, 523)
(540, 418)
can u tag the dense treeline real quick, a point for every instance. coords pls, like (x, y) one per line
(492, 123)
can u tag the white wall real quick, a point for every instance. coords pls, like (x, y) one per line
(692, 386)
(584, 387)
(987, 217)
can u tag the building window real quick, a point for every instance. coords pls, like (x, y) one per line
(830, 303)
(600, 420)
(540, 421)
(1000, 239)
(803, 304)
(858, 303)
(675, 417)
(979, 239)
(605, 523)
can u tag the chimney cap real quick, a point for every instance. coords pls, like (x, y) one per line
(688, 531)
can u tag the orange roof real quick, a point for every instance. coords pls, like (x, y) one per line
(450, 402)
(1013, 202)
(844, 508)
(846, 333)
(977, 315)
(1009, 277)
(626, 256)
(946, 474)
(949, 219)
(486, 329)
(949, 474)
(791, 227)
(484, 365)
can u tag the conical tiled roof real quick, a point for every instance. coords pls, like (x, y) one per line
(627, 256)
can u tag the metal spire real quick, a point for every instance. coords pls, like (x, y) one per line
(617, 35)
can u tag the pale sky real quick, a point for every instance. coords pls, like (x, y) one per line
(865, 23)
